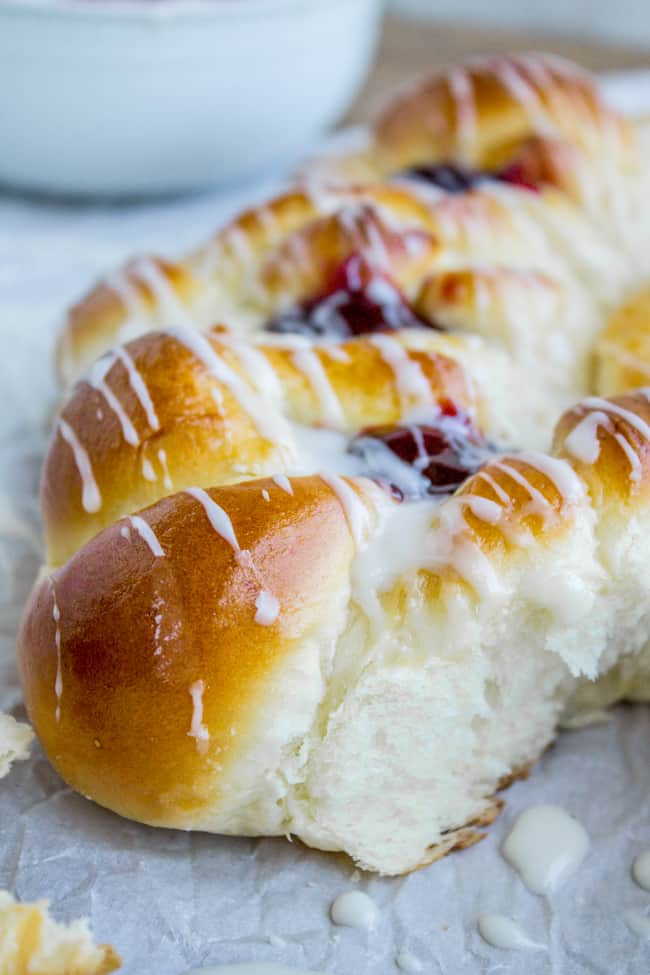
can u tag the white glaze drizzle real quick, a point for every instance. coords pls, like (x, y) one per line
(641, 870)
(583, 443)
(638, 923)
(559, 473)
(266, 605)
(249, 401)
(356, 513)
(502, 932)
(456, 548)
(147, 534)
(307, 361)
(502, 495)
(595, 403)
(239, 243)
(283, 482)
(257, 367)
(354, 909)
(97, 379)
(58, 680)
(138, 386)
(162, 458)
(540, 504)
(198, 730)
(218, 518)
(406, 961)
(126, 291)
(389, 553)
(164, 294)
(335, 352)
(266, 495)
(545, 846)
(147, 469)
(508, 71)
(266, 608)
(410, 380)
(91, 499)
(632, 456)
(462, 90)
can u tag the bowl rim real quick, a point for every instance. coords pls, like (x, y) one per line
(162, 11)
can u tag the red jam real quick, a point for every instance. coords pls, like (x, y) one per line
(457, 178)
(359, 300)
(444, 452)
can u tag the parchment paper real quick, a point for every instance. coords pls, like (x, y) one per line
(171, 900)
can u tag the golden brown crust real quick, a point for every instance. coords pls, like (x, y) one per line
(622, 351)
(197, 440)
(122, 625)
(485, 111)
(137, 632)
(95, 321)
(611, 450)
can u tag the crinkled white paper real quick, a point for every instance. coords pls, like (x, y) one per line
(169, 900)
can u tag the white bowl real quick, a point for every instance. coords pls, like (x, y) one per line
(136, 97)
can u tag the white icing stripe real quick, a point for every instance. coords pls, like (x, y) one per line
(354, 909)
(147, 534)
(198, 730)
(283, 482)
(259, 370)
(335, 352)
(456, 548)
(126, 291)
(97, 379)
(164, 294)
(147, 469)
(237, 240)
(545, 846)
(559, 472)
(595, 403)
(482, 508)
(138, 386)
(462, 91)
(167, 481)
(258, 411)
(308, 362)
(410, 380)
(91, 499)
(217, 517)
(583, 443)
(502, 932)
(355, 511)
(58, 680)
(502, 495)
(632, 456)
(266, 608)
(540, 501)
(266, 605)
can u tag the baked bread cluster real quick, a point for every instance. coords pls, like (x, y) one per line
(347, 508)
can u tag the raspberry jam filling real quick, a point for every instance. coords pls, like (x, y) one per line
(456, 178)
(359, 300)
(424, 458)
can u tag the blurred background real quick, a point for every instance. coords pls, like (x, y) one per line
(626, 21)
(602, 35)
